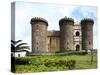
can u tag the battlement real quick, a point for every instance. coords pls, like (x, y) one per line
(39, 19)
(66, 19)
(53, 33)
(87, 20)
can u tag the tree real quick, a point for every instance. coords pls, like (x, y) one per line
(18, 46)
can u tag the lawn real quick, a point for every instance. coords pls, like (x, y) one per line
(44, 63)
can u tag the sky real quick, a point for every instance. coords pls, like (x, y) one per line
(24, 11)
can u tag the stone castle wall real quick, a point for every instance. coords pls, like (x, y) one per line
(53, 41)
(66, 34)
(39, 35)
(87, 34)
(72, 36)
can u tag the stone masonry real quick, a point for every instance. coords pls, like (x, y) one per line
(71, 36)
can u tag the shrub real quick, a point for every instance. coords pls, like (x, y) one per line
(40, 68)
(55, 63)
(76, 53)
(22, 61)
(71, 64)
(71, 53)
(50, 63)
(62, 62)
(47, 63)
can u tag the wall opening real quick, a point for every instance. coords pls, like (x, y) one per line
(77, 33)
(89, 42)
(77, 47)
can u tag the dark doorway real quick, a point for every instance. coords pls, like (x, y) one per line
(77, 47)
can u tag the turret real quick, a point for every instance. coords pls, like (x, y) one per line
(39, 34)
(66, 33)
(87, 33)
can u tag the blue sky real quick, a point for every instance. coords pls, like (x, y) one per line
(24, 11)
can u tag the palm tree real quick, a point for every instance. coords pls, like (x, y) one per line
(18, 46)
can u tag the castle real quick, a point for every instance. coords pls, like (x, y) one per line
(71, 36)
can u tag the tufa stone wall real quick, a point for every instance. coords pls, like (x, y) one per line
(71, 36)
(39, 35)
(66, 34)
(87, 33)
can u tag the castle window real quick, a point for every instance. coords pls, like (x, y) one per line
(77, 47)
(89, 42)
(37, 26)
(77, 33)
(37, 45)
(67, 43)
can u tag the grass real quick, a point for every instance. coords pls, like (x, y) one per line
(37, 63)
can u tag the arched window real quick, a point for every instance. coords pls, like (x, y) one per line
(77, 33)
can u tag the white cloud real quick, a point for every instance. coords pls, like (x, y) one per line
(89, 11)
(67, 10)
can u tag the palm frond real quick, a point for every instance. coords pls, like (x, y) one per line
(22, 51)
(18, 41)
(12, 42)
(18, 46)
(22, 47)
(21, 44)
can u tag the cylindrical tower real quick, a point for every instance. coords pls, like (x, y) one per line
(66, 34)
(39, 35)
(87, 33)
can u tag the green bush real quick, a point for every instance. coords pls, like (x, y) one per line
(76, 53)
(71, 53)
(54, 63)
(71, 64)
(58, 63)
(61, 63)
(47, 63)
(22, 61)
(40, 68)
(50, 63)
